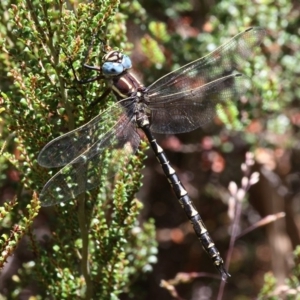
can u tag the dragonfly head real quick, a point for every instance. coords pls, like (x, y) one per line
(115, 63)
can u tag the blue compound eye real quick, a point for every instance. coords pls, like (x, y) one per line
(111, 68)
(126, 62)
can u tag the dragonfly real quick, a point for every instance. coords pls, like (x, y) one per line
(178, 102)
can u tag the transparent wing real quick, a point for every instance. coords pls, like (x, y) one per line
(84, 171)
(185, 99)
(86, 141)
(199, 107)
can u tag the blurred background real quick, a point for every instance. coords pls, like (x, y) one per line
(209, 158)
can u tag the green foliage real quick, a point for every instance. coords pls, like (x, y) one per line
(289, 290)
(9, 243)
(97, 247)
(40, 100)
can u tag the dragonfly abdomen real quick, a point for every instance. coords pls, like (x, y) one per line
(187, 204)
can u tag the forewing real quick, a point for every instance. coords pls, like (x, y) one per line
(188, 110)
(186, 98)
(88, 140)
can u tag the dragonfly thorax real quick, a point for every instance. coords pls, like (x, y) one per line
(126, 86)
(123, 83)
(115, 63)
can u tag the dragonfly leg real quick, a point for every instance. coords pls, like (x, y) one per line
(88, 80)
(99, 99)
